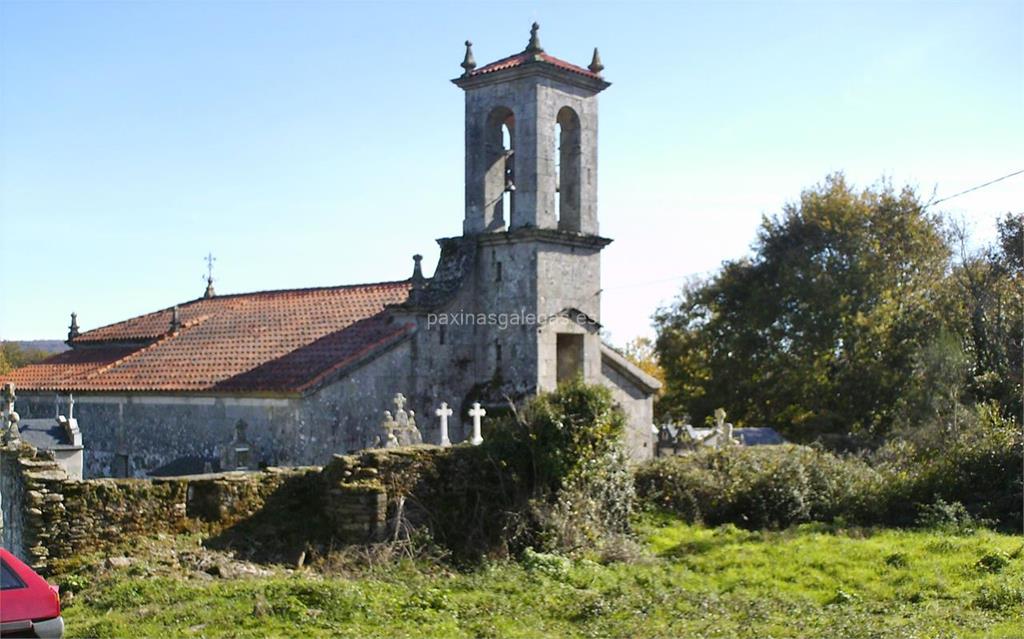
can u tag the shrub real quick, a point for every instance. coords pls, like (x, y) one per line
(569, 444)
(1000, 597)
(969, 477)
(976, 466)
(767, 487)
(948, 517)
(993, 561)
(550, 476)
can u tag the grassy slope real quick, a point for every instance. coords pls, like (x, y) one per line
(805, 582)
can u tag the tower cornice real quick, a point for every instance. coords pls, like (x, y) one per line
(549, 236)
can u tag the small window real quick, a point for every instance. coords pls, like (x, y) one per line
(497, 351)
(8, 579)
(441, 334)
(497, 272)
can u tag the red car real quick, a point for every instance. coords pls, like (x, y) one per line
(29, 607)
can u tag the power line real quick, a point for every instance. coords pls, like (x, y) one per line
(975, 188)
(648, 283)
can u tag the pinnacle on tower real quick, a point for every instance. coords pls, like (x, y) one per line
(534, 45)
(596, 67)
(468, 63)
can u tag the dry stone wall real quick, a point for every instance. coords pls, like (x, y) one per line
(267, 514)
(48, 516)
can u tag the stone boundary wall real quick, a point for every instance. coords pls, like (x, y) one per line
(355, 499)
(47, 515)
(270, 514)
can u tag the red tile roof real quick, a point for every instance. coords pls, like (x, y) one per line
(528, 57)
(267, 342)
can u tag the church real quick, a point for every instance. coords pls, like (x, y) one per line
(291, 377)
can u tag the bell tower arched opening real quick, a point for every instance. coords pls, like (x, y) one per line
(568, 170)
(499, 177)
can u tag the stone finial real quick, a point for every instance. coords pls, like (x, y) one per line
(417, 281)
(73, 329)
(468, 63)
(534, 44)
(175, 320)
(417, 271)
(596, 67)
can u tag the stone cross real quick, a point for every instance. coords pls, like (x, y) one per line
(399, 401)
(476, 413)
(444, 413)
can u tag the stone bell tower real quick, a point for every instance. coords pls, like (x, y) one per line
(531, 213)
(531, 142)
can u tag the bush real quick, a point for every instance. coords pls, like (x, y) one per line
(993, 561)
(965, 478)
(569, 444)
(952, 518)
(551, 476)
(977, 465)
(767, 487)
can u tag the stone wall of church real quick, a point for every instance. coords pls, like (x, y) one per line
(131, 435)
(639, 409)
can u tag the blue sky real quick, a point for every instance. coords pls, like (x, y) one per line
(320, 143)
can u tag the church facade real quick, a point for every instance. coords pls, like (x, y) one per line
(292, 377)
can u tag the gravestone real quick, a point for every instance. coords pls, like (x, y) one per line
(476, 413)
(399, 429)
(444, 413)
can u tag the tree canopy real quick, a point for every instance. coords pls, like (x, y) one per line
(848, 319)
(14, 355)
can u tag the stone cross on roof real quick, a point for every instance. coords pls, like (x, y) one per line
(210, 259)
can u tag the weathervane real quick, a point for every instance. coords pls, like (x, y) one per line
(210, 259)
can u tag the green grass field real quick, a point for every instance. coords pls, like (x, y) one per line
(804, 582)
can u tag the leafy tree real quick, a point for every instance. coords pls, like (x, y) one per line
(14, 355)
(820, 331)
(988, 287)
(641, 351)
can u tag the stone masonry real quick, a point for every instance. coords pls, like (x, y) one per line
(512, 309)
